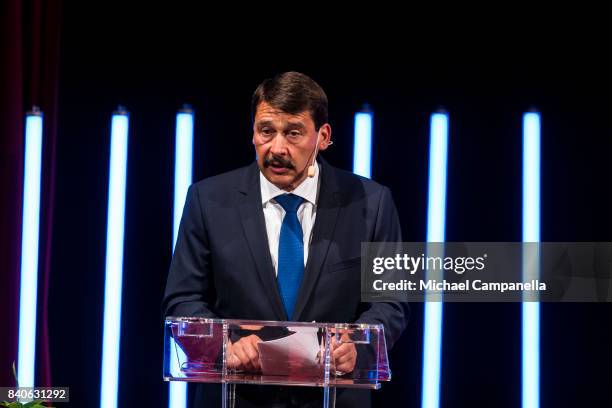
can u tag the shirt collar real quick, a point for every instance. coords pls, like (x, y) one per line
(307, 189)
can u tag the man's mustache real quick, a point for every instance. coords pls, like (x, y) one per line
(278, 161)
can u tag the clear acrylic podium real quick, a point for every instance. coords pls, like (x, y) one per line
(288, 354)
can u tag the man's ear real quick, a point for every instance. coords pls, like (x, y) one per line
(325, 132)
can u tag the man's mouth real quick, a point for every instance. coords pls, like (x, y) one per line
(278, 166)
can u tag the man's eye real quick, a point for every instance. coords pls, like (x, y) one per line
(295, 133)
(267, 131)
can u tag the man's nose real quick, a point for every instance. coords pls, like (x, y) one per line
(279, 145)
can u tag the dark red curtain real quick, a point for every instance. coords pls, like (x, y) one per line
(29, 51)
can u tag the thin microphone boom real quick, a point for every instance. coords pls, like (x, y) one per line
(311, 168)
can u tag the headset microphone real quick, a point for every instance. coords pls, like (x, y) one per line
(311, 168)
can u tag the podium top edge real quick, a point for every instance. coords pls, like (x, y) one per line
(177, 319)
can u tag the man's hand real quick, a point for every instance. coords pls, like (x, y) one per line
(243, 354)
(344, 355)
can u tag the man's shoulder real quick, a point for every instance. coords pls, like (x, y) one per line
(351, 182)
(225, 183)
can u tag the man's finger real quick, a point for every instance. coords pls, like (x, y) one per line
(345, 357)
(233, 362)
(245, 361)
(342, 350)
(348, 357)
(253, 354)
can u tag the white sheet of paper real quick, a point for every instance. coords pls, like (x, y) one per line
(296, 354)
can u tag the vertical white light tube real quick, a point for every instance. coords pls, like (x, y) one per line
(114, 259)
(436, 219)
(362, 147)
(29, 248)
(183, 170)
(531, 233)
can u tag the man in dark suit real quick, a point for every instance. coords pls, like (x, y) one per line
(280, 239)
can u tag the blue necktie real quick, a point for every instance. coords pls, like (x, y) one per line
(290, 252)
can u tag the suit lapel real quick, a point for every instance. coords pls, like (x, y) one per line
(327, 214)
(254, 227)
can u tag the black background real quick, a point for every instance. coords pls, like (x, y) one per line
(152, 60)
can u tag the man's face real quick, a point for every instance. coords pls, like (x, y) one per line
(285, 144)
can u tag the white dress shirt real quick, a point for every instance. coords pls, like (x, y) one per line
(274, 212)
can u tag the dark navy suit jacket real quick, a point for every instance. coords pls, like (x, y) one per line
(222, 266)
